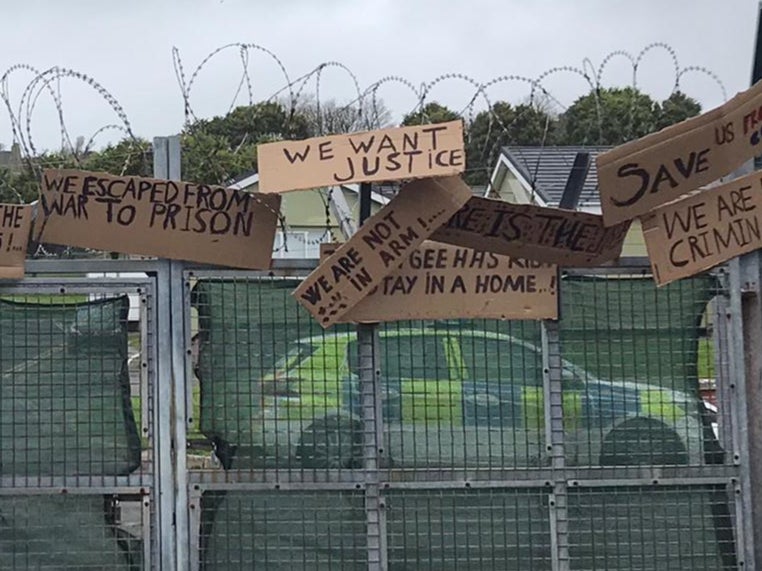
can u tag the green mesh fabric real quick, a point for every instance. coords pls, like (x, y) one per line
(650, 528)
(628, 329)
(244, 328)
(283, 531)
(62, 532)
(614, 328)
(65, 397)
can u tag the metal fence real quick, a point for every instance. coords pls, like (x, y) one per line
(224, 429)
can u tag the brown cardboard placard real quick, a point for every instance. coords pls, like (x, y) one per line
(440, 281)
(380, 246)
(639, 176)
(15, 226)
(386, 154)
(550, 235)
(169, 219)
(702, 230)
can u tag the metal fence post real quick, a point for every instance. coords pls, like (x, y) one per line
(162, 393)
(554, 443)
(746, 312)
(746, 342)
(369, 372)
(178, 349)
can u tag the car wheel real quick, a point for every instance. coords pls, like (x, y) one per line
(332, 442)
(642, 441)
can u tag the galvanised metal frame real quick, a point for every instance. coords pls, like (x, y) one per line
(173, 491)
(148, 487)
(557, 478)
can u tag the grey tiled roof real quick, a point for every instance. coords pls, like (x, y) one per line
(547, 168)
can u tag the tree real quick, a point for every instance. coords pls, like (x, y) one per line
(432, 112)
(609, 116)
(616, 115)
(254, 123)
(330, 117)
(209, 158)
(130, 157)
(502, 125)
(18, 187)
(675, 108)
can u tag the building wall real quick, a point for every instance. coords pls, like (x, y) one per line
(511, 190)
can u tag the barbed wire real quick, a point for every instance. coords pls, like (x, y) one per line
(364, 109)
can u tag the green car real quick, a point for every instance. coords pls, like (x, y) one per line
(460, 398)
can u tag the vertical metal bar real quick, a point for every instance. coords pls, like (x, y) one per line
(369, 372)
(746, 289)
(180, 381)
(145, 520)
(194, 525)
(162, 393)
(365, 202)
(726, 403)
(555, 444)
(741, 457)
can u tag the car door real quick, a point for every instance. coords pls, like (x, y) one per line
(421, 398)
(503, 405)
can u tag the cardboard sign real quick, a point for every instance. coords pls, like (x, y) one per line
(182, 220)
(439, 281)
(707, 228)
(386, 154)
(549, 235)
(636, 177)
(380, 246)
(15, 225)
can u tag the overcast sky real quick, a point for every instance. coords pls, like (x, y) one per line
(127, 48)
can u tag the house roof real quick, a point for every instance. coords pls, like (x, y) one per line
(248, 179)
(546, 169)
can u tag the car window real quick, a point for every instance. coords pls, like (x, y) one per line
(500, 360)
(414, 356)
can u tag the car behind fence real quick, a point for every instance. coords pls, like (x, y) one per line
(230, 431)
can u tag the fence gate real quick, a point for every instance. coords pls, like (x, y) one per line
(80, 422)
(192, 418)
(468, 444)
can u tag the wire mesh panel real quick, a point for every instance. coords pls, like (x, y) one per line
(76, 458)
(633, 407)
(631, 353)
(651, 528)
(283, 530)
(65, 532)
(461, 394)
(477, 444)
(479, 529)
(65, 402)
(270, 391)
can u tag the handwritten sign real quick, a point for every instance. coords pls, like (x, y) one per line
(637, 177)
(386, 154)
(549, 235)
(705, 229)
(439, 281)
(15, 225)
(380, 246)
(182, 220)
